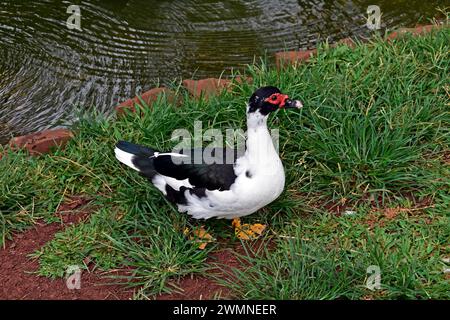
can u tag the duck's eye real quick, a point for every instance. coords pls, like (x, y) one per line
(273, 99)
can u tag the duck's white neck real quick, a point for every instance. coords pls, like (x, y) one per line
(259, 144)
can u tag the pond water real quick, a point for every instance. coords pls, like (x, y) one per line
(47, 71)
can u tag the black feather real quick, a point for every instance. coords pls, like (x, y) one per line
(215, 176)
(135, 149)
(142, 159)
(175, 196)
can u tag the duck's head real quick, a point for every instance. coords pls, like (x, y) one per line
(268, 99)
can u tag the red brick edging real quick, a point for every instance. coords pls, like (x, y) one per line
(149, 97)
(41, 142)
(414, 31)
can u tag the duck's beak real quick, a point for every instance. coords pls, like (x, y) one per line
(292, 104)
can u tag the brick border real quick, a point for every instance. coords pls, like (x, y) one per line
(149, 97)
(44, 142)
(418, 30)
(41, 142)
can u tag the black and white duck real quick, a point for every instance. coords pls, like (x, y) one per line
(229, 189)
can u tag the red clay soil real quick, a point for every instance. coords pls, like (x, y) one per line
(202, 288)
(18, 272)
(20, 281)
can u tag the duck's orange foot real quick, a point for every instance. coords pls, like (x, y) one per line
(199, 236)
(247, 231)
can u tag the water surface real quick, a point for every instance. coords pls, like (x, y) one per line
(126, 47)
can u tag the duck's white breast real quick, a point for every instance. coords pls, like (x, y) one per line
(254, 188)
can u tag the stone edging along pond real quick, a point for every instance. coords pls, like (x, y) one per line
(43, 142)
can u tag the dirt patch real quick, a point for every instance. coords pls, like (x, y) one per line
(18, 272)
(337, 208)
(20, 281)
(377, 204)
(446, 157)
(202, 288)
(378, 217)
(222, 262)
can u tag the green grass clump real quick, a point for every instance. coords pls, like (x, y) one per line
(374, 134)
(328, 257)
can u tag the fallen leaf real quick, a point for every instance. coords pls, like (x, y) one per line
(199, 236)
(258, 228)
(249, 231)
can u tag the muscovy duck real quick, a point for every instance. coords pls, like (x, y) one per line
(230, 189)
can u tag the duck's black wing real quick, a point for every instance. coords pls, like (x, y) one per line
(208, 168)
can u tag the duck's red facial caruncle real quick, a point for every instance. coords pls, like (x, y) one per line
(277, 99)
(269, 99)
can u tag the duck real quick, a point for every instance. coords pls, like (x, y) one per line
(239, 186)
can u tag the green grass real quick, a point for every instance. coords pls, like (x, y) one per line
(375, 126)
(327, 258)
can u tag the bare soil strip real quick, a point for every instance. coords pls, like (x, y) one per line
(18, 276)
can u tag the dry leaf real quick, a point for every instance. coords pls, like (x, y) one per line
(248, 231)
(200, 236)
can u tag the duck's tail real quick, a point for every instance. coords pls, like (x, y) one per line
(137, 157)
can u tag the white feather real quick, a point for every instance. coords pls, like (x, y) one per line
(157, 154)
(125, 158)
